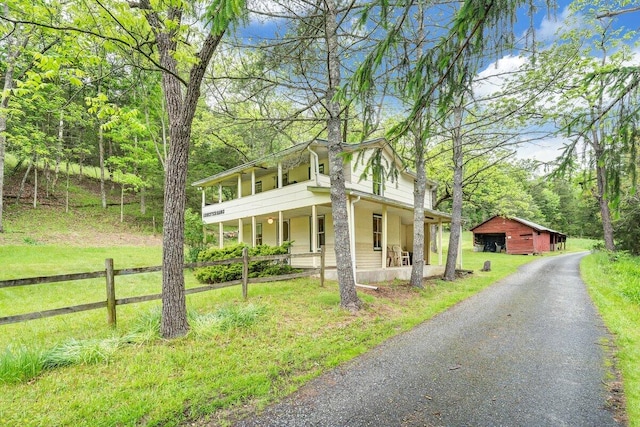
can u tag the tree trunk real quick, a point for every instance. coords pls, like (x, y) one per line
(22, 183)
(597, 144)
(47, 178)
(419, 189)
(456, 209)
(344, 265)
(66, 198)
(13, 50)
(603, 202)
(103, 192)
(35, 181)
(181, 112)
(58, 151)
(122, 203)
(143, 203)
(3, 128)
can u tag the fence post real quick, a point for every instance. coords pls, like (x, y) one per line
(322, 260)
(111, 292)
(245, 272)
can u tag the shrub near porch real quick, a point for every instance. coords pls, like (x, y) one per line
(230, 272)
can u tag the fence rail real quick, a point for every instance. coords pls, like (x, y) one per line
(109, 273)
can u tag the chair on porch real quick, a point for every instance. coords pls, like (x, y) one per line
(402, 257)
(391, 257)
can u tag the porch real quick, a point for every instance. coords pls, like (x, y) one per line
(377, 275)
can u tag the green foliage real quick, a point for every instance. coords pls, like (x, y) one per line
(229, 272)
(223, 12)
(626, 227)
(193, 235)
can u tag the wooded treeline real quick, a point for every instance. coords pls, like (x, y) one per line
(158, 95)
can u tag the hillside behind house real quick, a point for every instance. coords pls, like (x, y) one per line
(85, 223)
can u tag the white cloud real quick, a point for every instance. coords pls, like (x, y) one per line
(494, 77)
(543, 150)
(551, 26)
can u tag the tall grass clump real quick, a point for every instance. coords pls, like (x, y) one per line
(20, 365)
(85, 352)
(146, 327)
(225, 318)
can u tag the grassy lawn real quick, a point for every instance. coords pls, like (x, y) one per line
(614, 285)
(239, 355)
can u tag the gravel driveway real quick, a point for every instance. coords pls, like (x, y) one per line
(526, 352)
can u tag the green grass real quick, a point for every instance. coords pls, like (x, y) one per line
(614, 285)
(239, 355)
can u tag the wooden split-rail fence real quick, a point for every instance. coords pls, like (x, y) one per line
(109, 273)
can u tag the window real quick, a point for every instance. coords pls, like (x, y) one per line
(320, 242)
(320, 170)
(258, 233)
(378, 181)
(285, 179)
(377, 232)
(320, 237)
(258, 187)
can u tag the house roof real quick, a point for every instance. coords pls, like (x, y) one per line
(530, 224)
(428, 213)
(349, 148)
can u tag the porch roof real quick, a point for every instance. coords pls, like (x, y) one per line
(430, 214)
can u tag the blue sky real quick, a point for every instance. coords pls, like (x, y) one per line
(546, 23)
(546, 28)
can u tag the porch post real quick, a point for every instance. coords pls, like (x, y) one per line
(460, 249)
(220, 193)
(427, 242)
(384, 236)
(280, 226)
(279, 174)
(220, 235)
(240, 231)
(440, 241)
(352, 243)
(352, 236)
(239, 186)
(253, 231)
(314, 232)
(203, 197)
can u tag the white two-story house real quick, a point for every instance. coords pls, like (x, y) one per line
(285, 197)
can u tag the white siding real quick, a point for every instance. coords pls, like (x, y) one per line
(291, 197)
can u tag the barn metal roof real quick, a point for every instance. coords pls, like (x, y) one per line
(530, 224)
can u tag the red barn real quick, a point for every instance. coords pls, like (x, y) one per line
(516, 236)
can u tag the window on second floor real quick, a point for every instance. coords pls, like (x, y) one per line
(320, 170)
(378, 182)
(258, 187)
